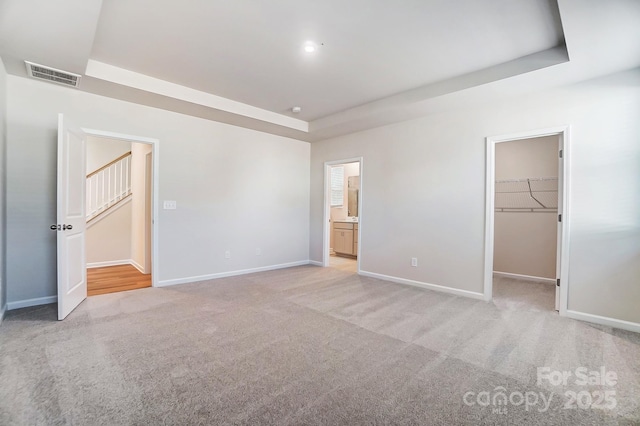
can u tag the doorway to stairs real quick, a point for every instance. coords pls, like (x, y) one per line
(119, 215)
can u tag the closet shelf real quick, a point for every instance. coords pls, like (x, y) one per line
(525, 195)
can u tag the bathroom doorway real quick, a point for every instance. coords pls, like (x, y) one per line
(342, 215)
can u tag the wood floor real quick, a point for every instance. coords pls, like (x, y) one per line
(345, 264)
(112, 279)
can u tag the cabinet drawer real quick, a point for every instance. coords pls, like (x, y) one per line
(342, 225)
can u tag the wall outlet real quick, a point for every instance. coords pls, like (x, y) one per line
(227, 254)
(170, 205)
(414, 261)
(258, 252)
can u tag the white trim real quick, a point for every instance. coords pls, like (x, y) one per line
(109, 263)
(110, 211)
(3, 312)
(435, 287)
(564, 181)
(137, 266)
(116, 263)
(155, 196)
(315, 263)
(120, 136)
(31, 302)
(197, 278)
(523, 277)
(326, 228)
(607, 321)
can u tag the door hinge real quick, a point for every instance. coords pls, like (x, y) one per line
(558, 282)
(559, 218)
(560, 152)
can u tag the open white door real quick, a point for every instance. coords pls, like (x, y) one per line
(560, 214)
(72, 273)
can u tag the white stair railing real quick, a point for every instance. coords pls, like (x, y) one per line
(108, 185)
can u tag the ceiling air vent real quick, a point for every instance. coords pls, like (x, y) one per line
(51, 74)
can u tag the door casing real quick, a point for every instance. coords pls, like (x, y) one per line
(562, 269)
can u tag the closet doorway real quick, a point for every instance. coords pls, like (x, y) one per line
(526, 222)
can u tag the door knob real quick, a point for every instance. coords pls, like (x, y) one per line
(55, 227)
(65, 227)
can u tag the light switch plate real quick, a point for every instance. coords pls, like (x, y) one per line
(170, 205)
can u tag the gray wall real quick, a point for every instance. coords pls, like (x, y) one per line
(236, 189)
(3, 146)
(423, 191)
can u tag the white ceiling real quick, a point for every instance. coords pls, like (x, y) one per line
(242, 61)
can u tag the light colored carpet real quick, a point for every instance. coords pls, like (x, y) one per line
(306, 345)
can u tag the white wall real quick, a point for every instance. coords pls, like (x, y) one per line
(236, 189)
(109, 239)
(139, 241)
(101, 151)
(3, 229)
(432, 171)
(526, 243)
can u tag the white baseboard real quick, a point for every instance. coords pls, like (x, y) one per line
(315, 263)
(523, 277)
(117, 263)
(440, 288)
(175, 281)
(110, 263)
(607, 321)
(137, 266)
(31, 302)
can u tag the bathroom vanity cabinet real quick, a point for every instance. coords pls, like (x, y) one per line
(345, 238)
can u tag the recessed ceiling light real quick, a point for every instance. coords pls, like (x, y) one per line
(310, 47)
(296, 109)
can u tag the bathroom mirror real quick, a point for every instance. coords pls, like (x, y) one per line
(352, 194)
